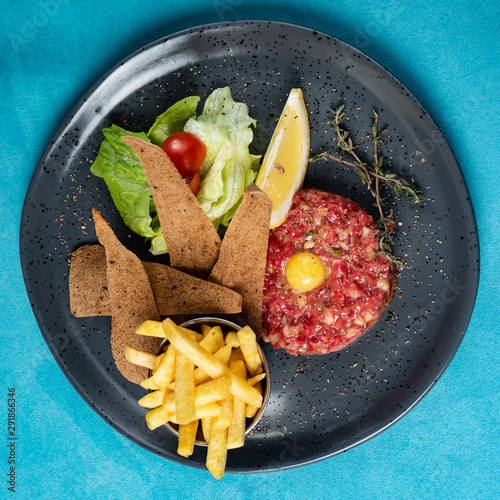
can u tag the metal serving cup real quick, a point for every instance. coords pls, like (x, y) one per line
(226, 326)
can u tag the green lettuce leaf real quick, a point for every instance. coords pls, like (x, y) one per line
(224, 127)
(158, 245)
(173, 120)
(225, 219)
(122, 171)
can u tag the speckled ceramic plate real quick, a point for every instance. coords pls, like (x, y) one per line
(319, 406)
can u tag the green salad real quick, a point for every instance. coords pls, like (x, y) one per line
(224, 126)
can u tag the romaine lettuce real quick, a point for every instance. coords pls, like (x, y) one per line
(122, 171)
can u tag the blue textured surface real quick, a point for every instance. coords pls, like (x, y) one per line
(447, 54)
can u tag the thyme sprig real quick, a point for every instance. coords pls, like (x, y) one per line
(373, 175)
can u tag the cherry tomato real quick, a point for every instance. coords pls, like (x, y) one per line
(193, 181)
(186, 151)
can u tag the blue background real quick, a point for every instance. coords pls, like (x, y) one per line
(447, 54)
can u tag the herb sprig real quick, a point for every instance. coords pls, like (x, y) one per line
(373, 175)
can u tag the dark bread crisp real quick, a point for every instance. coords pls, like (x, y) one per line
(175, 292)
(243, 254)
(88, 284)
(180, 293)
(131, 301)
(192, 241)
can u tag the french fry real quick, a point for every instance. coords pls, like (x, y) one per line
(165, 371)
(217, 451)
(206, 411)
(158, 417)
(247, 393)
(232, 339)
(209, 392)
(138, 357)
(253, 380)
(236, 431)
(160, 380)
(217, 446)
(150, 384)
(217, 330)
(212, 340)
(251, 410)
(201, 375)
(209, 410)
(161, 415)
(151, 328)
(158, 360)
(205, 329)
(250, 350)
(187, 437)
(226, 415)
(223, 354)
(238, 367)
(236, 355)
(194, 335)
(206, 424)
(214, 390)
(238, 387)
(191, 333)
(185, 410)
(154, 399)
(193, 350)
(214, 367)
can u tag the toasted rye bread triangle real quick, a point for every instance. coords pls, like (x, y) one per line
(175, 292)
(243, 254)
(180, 293)
(192, 240)
(131, 301)
(88, 284)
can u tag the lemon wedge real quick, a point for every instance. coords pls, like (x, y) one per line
(285, 163)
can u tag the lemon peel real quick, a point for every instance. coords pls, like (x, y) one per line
(285, 163)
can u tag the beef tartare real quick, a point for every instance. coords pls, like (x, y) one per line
(325, 285)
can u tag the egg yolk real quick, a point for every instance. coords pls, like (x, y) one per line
(305, 271)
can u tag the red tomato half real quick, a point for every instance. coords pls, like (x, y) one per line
(186, 151)
(193, 181)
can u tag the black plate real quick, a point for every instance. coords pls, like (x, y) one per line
(319, 406)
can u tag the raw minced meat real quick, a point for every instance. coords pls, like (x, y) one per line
(358, 286)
